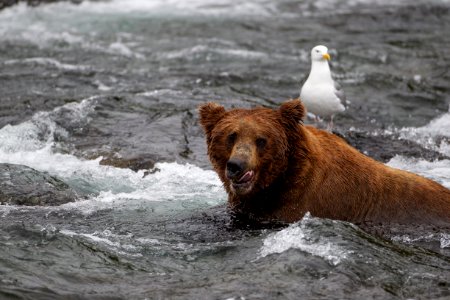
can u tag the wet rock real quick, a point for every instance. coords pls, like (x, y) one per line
(134, 163)
(22, 185)
(383, 148)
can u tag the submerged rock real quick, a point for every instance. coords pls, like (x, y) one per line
(22, 185)
(134, 163)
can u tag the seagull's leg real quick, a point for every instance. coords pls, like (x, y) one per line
(330, 125)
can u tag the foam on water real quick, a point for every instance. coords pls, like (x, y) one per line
(92, 25)
(443, 238)
(171, 183)
(202, 50)
(64, 18)
(438, 170)
(37, 134)
(121, 244)
(46, 61)
(54, 14)
(62, 24)
(32, 143)
(184, 7)
(435, 135)
(304, 236)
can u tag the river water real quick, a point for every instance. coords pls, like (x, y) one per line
(86, 87)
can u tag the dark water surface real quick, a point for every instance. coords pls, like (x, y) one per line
(88, 89)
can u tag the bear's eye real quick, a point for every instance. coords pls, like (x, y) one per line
(231, 138)
(261, 142)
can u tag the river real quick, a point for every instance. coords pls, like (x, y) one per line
(87, 88)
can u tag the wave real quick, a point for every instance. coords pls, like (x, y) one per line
(33, 143)
(438, 170)
(435, 135)
(139, 8)
(46, 61)
(305, 236)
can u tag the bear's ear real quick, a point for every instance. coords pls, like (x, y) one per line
(210, 113)
(292, 111)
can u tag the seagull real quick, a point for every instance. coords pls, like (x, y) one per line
(321, 95)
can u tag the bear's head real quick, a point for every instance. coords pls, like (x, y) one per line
(250, 148)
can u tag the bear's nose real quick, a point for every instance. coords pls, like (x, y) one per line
(235, 167)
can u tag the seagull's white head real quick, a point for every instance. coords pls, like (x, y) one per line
(320, 53)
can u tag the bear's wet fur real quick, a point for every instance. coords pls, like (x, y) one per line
(273, 167)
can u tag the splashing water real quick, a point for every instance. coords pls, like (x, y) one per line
(303, 236)
(435, 135)
(33, 144)
(438, 170)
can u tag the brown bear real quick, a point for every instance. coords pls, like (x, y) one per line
(274, 168)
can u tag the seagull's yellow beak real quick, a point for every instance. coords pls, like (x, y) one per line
(326, 56)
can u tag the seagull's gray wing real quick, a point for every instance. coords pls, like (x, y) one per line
(339, 92)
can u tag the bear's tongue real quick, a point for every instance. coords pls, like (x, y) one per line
(246, 177)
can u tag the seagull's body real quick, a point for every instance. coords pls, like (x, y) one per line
(320, 94)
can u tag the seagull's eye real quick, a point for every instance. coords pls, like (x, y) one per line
(317, 51)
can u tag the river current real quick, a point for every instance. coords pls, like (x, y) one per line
(86, 87)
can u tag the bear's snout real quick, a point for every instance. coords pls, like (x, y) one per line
(241, 178)
(235, 167)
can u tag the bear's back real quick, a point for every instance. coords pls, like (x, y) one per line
(349, 185)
